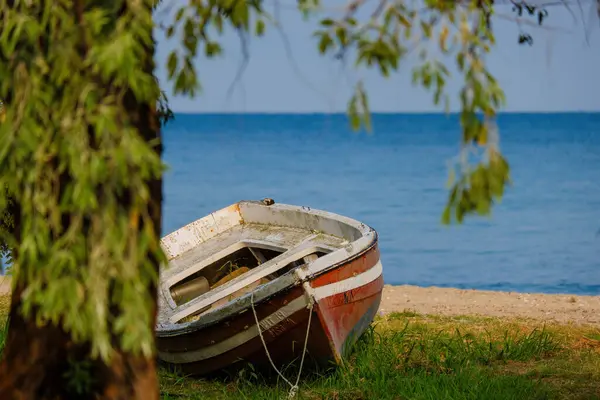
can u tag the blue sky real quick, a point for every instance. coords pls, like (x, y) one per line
(559, 73)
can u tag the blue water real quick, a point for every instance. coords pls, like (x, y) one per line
(543, 237)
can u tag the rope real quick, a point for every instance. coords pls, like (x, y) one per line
(293, 387)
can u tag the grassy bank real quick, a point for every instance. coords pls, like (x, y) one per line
(410, 356)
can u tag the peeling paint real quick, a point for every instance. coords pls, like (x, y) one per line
(343, 304)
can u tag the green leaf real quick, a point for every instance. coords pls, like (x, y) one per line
(240, 15)
(179, 14)
(427, 29)
(364, 104)
(172, 64)
(446, 215)
(460, 60)
(260, 27)
(212, 49)
(218, 21)
(325, 43)
(170, 31)
(353, 113)
(342, 36)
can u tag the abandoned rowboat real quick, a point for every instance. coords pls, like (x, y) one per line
(310, 278)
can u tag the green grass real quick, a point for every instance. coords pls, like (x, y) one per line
(4, 305)
(412, 356)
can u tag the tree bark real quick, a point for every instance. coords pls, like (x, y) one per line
(37, 359)
(33, 358)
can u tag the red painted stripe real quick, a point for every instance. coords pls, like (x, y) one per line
(350, 269)
(340, 314)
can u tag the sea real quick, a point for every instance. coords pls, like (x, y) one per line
(543, 237)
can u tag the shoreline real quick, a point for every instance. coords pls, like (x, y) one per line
(552, 308)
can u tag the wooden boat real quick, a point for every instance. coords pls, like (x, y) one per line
(278, 264)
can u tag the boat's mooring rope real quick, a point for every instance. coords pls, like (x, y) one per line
(293, 387)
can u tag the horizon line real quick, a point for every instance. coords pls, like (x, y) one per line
(373, 112)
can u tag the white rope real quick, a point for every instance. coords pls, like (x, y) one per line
(293, 387)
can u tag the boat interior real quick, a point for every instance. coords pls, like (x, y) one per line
(229, 253)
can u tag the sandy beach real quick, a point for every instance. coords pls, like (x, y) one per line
(4, 285)
(558, 308)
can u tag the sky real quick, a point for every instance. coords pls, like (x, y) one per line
(560, 72)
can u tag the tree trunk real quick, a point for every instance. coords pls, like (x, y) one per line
(33, 358)
(39, 364)
(42, 362)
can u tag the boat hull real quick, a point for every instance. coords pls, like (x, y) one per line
(344, 301)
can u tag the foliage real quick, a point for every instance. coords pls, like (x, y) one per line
(449, 29)
(6, 223)
(165, 114)
(394, 28)
(6, 217)
(77, 166)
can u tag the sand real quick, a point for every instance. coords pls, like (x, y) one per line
(558, 308)
(562, 308)
(4, 285)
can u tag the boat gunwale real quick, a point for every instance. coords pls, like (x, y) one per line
(268, 290)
